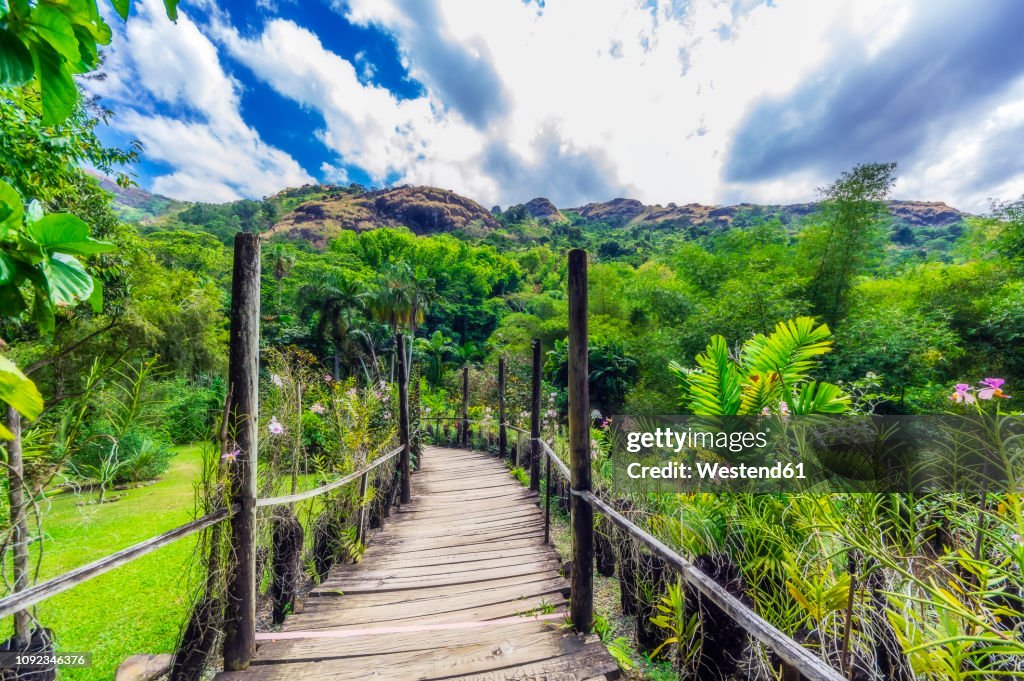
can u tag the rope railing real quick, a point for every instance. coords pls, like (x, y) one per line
(68, 580)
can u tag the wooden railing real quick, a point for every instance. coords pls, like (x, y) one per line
(51, 587)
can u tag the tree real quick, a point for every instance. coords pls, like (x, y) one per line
(283, 260)
(611, 372)
(44, 43)
(437, 352)
(839, 248)
(338, 304)
(1010, 235)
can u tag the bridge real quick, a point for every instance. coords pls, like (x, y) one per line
(458, 585)
(461, 582)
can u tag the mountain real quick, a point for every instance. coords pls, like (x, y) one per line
(317, 213)
(543, 210)
(424, 210)
(133, 204)
(621, 212)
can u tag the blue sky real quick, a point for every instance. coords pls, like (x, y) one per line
(711, 101)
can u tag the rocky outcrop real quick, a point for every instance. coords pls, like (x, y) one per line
(631, 211)
(925, 213)
(618, 211)
(424, 210)
(543, 210)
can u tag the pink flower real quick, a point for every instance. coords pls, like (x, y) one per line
(1017, 539)
(328, 378)
(231, 456)
(766, 412)
(962, 394)
(992, 389)
(783, 409)
(352, 392)
(317, 408)
(275, 428)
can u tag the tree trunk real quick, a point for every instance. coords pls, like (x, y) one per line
(19, 524)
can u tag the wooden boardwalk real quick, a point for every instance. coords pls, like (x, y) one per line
(458, 585)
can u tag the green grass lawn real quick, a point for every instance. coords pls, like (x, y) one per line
(139, 607)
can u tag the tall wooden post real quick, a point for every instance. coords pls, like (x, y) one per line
(535, 420)
(243, 370)
(19, 525)
(465, 406)
(582, 583)
(502, 441)
(403, 418)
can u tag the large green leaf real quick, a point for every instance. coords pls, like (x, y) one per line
(12, 303)
(67, 280)
(8, 268)
(11, 210)
(122, 7)
(15, 60)
(51, 25)
(58, 89)
(17, 390)
(791, 351)
(820, 398)
(65, 233)
(715, 390)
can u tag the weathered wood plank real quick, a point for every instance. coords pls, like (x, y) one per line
(497, 659)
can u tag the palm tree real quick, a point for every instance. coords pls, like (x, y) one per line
(337, 304)
(436, 352)
(283, 260)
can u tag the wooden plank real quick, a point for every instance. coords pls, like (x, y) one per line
(357, 585)
(376, 571)
(375, 644)
(469, 548)
(499, 657)
(455, 611)
(527, 583)
(357, 611)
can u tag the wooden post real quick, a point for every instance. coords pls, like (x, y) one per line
(465, 407)
(502, 437)
(582, 606)
(403, 419)
(535, 420)
(547, 499)
(19, 525)
(364, 484)
(243, 370)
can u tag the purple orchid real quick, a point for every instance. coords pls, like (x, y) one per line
(993, 388)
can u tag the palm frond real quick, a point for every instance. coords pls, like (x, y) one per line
(716, 389)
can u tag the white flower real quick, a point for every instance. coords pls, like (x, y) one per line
(276, 380)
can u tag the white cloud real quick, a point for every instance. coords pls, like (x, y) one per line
(578, 100)
(177, 99)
